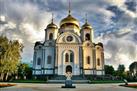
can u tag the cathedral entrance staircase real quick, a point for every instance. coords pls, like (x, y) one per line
(62, 78)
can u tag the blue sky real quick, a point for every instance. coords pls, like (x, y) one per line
(114, 23)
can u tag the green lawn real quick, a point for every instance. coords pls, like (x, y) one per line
(105, 81)
(133, 87)
(29, 81)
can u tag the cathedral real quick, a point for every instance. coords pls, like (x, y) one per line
(68, 48)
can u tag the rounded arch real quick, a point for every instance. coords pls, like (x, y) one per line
(61, 36)
(87, 36)
(88, 59)
(39, 61)
(50, 36)
(71, 56)
(68, 56)
(49, 58)
(98, 61)
(68, 68)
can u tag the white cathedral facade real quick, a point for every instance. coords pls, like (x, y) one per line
(69, 48)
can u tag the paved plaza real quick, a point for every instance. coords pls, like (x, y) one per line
(57, 87)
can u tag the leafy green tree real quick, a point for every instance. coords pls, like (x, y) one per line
(121, 70)
(133, 68)
(9, 57)
(109, 69)
(24, 70)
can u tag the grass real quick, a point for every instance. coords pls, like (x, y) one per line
(105, 81)
(29, 81)
(133, 87)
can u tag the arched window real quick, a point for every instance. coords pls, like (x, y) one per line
(50, 36)
(87, 37)
(98, 62)
(71, 57)
(67, 57)
(68, 69)
(38, 61)
(49, 60)
(88, 59)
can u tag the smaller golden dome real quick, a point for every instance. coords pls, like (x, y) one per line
(69, 19)
(52, 25)
(86, 25)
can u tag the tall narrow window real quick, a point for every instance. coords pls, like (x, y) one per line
(50, 36)
(38, 61)
(98, 62)
(88, 59)
(87, 37)
(67, 57)
(71, 57)
(49, 60)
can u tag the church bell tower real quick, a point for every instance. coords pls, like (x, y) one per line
(87, 31)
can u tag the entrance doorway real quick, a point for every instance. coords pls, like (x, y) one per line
(68, 69)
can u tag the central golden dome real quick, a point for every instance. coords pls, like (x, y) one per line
(69, 20)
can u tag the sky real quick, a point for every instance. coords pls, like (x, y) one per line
(114, 23)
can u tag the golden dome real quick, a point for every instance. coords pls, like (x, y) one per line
(69, 20)
(86, 25)
(52, 25)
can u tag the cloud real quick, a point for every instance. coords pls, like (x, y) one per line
(23, 21)
(120, 47)
(118, 3)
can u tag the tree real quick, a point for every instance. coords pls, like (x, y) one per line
(121, 68)
(120, 71)
(24, 70)
(9, 57)
(133, 68)
(109, 69)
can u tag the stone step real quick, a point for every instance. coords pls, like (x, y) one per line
(64, 78)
